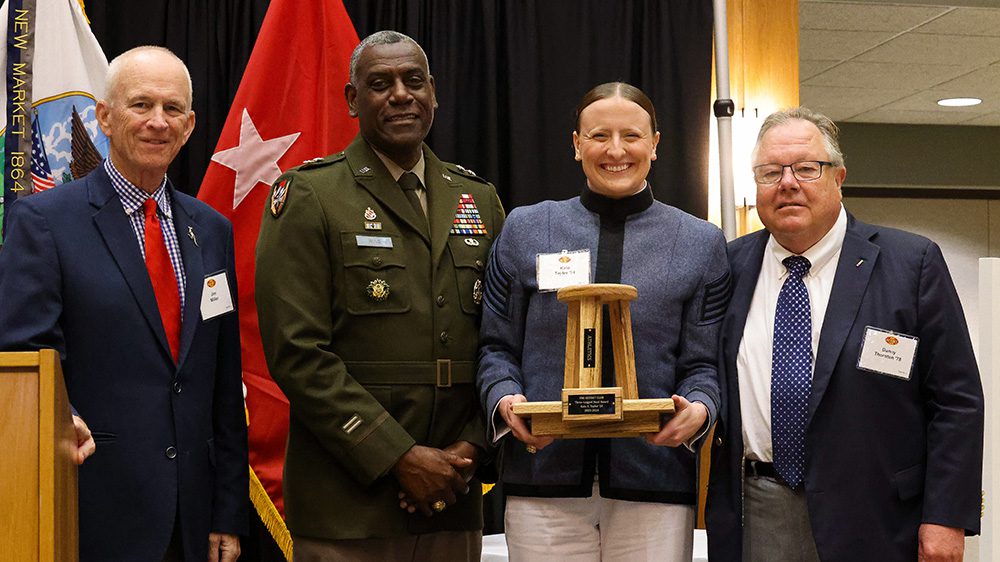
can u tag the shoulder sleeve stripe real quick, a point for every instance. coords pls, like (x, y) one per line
(716, 299)
(498, 283)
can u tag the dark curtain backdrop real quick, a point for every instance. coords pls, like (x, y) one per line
(214, 38)
(509, 76)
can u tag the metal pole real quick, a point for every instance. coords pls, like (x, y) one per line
(724, 109)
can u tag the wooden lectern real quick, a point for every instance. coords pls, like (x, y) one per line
(38, 489)
(586, 408)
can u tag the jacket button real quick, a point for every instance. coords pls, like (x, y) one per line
(479, 265)
(439, 300)
(443, 337)
(377, 260)
(718, 441)
(171, 452)
(177, 387)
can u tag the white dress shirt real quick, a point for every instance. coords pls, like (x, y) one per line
(753, 363)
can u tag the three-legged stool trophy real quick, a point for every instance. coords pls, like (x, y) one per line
(587, 409)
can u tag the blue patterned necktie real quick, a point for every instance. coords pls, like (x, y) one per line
(791, 373)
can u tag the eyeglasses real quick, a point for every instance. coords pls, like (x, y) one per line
(808, 170)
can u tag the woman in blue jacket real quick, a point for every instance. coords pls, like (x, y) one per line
(604, 499)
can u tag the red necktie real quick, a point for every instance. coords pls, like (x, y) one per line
(161, 274)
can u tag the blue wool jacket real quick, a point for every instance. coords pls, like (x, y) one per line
(678, 265)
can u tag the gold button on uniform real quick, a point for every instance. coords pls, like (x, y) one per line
(439, 300)
(377, 260)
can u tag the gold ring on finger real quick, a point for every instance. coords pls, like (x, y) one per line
(439, 506)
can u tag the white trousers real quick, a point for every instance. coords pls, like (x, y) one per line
(597, 529)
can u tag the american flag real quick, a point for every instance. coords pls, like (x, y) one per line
(41, 173)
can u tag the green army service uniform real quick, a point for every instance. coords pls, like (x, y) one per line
(370, 327)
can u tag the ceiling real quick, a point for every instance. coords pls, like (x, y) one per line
(889, 62)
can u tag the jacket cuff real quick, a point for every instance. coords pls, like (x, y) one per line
(376, 453)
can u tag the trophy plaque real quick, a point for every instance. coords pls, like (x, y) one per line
(587, 409)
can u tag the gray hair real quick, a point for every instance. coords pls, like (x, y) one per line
(826, 126)
(384, 37)
(113, 78)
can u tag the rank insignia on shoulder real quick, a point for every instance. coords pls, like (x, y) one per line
(364, 170)
(313, 160)
(464, 169)
(378, 290)
(467, 219)
(477, 291)
(278, 196)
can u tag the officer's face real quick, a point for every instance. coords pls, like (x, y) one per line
(616, 146)
(148, 117)
(393, 99)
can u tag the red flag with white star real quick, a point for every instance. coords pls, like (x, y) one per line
(289, 108)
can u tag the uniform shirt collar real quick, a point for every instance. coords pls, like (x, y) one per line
(395, 170)
(820, 253)
(617, 209)
(133, 197)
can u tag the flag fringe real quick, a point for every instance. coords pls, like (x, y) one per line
(269, 515)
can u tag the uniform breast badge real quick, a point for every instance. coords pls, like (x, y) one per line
(370, 222)
(278, 196)
(467, 219)
(378, 290)
(477, 291)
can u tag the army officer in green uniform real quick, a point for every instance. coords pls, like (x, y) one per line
(369, 282)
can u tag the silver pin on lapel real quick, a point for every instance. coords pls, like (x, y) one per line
(192, 236)
(861, 261)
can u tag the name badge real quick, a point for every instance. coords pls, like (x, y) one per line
(216, 299)
(374, 241)
(888, 353)
(555, 271)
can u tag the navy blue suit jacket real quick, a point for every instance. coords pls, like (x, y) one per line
(72, 278)
(883, 454)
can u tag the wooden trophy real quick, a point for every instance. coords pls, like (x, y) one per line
(587, 409)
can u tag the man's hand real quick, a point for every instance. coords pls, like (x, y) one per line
(465, 450)
(428, 475)
(517, 425)
(85, 445)
(223, 547)
(688, 418)
(462, 449)
(938, 543)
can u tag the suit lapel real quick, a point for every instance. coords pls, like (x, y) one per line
(370, 173)
(113, 224)
(849, 286)
(194, 271)
(443, 192)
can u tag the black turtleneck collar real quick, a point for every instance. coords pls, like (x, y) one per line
(617, 209)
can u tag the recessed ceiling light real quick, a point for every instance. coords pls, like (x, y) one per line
(959, 102)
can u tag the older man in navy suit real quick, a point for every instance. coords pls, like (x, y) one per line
(853, 410)
(134, 283)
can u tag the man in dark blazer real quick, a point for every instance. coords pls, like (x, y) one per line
(369, 290)
(151, 357)
(878, 457)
